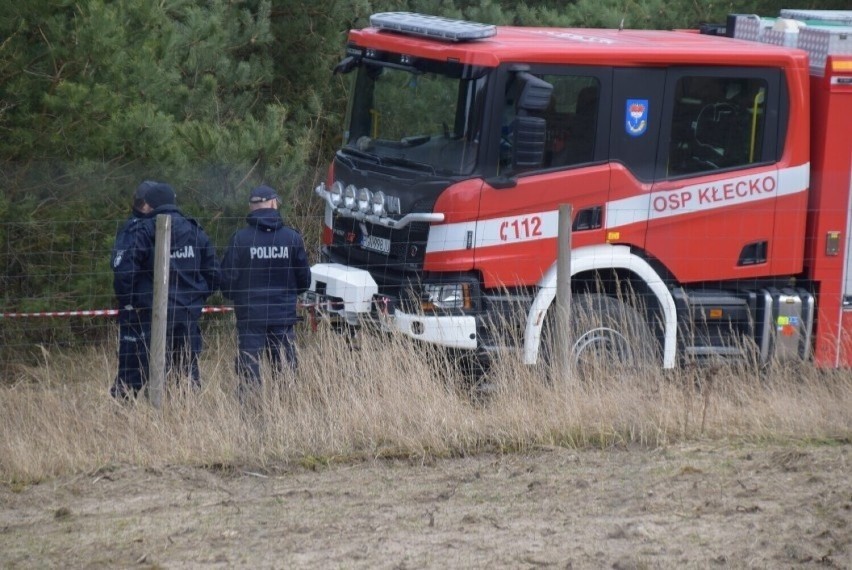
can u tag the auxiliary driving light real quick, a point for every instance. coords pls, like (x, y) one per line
(364, 198)
(349, 197)
(335, 193)
(377, 203)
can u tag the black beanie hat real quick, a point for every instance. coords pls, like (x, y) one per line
(143, 188)
(160, 194)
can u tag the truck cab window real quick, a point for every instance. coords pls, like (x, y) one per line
(717, 123)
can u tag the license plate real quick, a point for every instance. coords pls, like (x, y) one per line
(373, 243)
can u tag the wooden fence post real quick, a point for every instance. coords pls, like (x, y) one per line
(563, 336)
(157, 355)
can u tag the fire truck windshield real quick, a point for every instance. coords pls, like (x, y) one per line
(424, 115)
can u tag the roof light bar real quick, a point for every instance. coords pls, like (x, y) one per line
(431, 26)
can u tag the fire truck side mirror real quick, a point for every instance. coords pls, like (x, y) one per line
(346, 65)
(528, 146)
(530, 131)
(535, 95)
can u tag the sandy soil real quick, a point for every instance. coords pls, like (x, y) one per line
(703, 506)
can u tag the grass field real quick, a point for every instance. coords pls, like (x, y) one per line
(389, 398)
(376, 455)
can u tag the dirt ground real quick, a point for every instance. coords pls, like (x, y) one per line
(702, 506)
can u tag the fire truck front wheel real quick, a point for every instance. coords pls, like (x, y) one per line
(606, 335)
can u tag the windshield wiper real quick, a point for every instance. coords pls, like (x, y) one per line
(400, 161)
(393, 160)
(361, 154)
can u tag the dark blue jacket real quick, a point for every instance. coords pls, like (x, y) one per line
(193, 267)
(264, 270)
(123, 282)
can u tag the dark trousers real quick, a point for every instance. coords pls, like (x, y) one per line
(183, 345)
(134, 332)
(277, 342)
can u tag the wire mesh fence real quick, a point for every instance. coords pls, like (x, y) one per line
(56, 284)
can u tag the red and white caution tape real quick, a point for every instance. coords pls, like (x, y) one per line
(92, 313)
(217, 309)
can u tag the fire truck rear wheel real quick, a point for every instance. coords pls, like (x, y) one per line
(606, 335)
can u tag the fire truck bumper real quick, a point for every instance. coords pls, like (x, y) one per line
(350, 294)
(449, 331)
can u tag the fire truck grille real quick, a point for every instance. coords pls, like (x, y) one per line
(406, 247)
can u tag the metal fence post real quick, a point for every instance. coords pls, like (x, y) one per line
(157, 357)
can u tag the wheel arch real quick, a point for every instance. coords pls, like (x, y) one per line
(588, 265)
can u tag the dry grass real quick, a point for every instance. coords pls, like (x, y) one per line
(388, 398)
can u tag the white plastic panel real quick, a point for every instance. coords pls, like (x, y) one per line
(355, 286)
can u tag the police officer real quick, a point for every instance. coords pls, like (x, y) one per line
(133, 329)
(264, 270)
(193, 276)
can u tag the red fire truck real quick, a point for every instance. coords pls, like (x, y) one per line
(708, 173)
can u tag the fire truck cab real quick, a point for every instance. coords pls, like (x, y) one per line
(708, 173)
